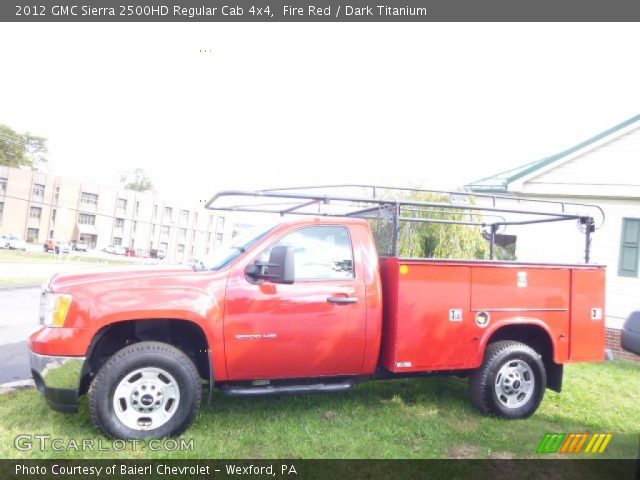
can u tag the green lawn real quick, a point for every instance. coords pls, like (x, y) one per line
(409, 418)
(17, 256)
(21, 281)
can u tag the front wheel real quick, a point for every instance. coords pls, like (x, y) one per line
(145, 390)
(510, 382)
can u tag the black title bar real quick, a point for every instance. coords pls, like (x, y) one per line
(318, 11)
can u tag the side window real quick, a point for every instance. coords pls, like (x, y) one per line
(320, 252)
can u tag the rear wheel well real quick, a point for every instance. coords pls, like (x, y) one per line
(182, 334)
(538, 339)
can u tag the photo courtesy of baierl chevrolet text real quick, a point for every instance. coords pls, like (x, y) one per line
(319, 239)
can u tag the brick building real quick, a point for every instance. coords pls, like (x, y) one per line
(39, 206)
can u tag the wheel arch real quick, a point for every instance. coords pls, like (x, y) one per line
(536, 336)
(186, 335)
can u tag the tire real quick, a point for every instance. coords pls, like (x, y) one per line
(159, 379)
(499, 386)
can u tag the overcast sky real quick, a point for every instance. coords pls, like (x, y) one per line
(287, 104)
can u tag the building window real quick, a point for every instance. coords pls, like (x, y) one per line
(32, 235)
(220, 225)
(209, 237)
(182, 235)
(117, 241)
(35, 212)
(1, 210)
(164, 231)
(137, 210)
(218, 238)
(3, 185)
(164, 246)
(37, 190)
(56, 194)
(180, 248)
(155, 212)
(119, 223)
(195, 218)
(86, 219)
(89, 198)
(53, 214)
(121, 204)
(211, 221)
(168, 211)
(184, 217)
(133, 227)
(629, 247)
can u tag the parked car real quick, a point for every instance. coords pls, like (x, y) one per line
(114, 250)
(155, 253)
(630, 336)
(136, 252)
(14, 242)
(56, 246)
(308, 306)
(4, 240)
(80, 246)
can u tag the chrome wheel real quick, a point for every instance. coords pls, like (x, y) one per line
(514, 384)
(146, 398)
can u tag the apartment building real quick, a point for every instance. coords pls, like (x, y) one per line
(39, 206)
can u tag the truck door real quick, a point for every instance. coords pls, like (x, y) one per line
(313, 327)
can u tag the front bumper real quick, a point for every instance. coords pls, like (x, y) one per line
(58, 379)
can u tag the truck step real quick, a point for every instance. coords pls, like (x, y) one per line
(243, 391)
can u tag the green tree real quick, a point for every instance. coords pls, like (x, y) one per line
(21, 149)
(136, 180)
(431, 240)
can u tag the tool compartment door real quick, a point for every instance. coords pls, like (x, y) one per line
(433, 327)
(586, 336)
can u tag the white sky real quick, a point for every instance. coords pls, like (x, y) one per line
(288, 104)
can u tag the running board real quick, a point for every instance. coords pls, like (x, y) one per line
(237, 391)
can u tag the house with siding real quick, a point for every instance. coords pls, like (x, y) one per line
(603, 171)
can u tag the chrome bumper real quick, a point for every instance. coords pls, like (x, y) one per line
(58, 378)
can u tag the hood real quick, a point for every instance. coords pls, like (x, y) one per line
(85, 275)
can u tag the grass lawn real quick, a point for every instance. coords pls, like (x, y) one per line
(416, 418)
(21, 281)
(17, 256)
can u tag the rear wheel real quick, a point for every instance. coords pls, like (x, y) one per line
(146, 390)
(510, 382)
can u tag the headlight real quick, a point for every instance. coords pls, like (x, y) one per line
(54, 308)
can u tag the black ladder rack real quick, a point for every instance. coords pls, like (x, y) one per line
(484, 210)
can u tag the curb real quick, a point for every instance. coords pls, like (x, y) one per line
(15, 386)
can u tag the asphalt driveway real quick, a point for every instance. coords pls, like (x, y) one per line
(18, 319)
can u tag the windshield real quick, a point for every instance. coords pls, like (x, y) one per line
(226, 256)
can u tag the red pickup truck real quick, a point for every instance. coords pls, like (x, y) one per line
(303, 306)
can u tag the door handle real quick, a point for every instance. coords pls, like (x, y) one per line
(342, 300)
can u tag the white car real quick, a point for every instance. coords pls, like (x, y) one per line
(114, 250)
(14, 242)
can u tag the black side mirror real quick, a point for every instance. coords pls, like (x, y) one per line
(279, 269)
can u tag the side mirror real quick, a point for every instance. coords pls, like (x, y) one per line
(279, 269)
